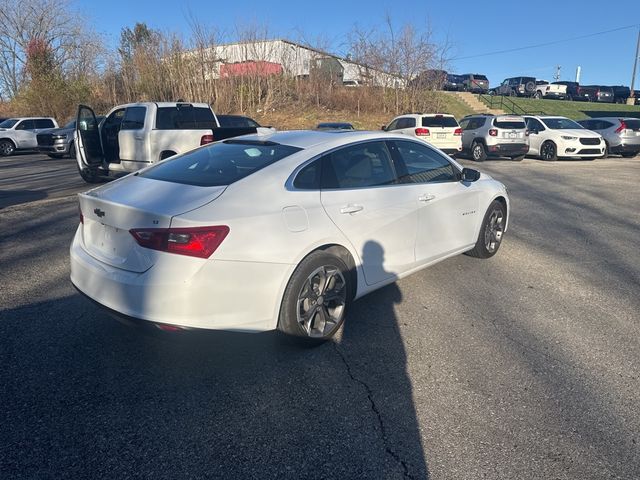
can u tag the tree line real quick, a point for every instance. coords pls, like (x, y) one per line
(52, 59)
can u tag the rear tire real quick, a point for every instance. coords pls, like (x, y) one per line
(478, 152)
(629, 155)
(537, 95)
(7, 148)
(316, 299)
(519, 158)
(54, 155)
(549, 151)
(491, 231)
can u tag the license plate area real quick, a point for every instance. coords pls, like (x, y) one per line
(441, 136)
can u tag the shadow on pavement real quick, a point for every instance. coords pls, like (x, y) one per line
(9, 198)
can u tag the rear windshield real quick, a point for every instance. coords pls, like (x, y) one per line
(236, 121)
(632, 124)
(220, 163)
(184, 117)
(509, 123)
(10, 122)
(439, 122)
(561, 124)
(454, 78)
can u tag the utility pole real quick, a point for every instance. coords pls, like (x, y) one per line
(635, 65)
(556, 76)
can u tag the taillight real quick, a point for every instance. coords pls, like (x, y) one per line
(422, 132)
(80, 214)
(206, 139)
(623, 126)
(458, 132)
(493, 132)
(198, 242)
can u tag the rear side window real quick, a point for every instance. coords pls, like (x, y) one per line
(133, 118)
(233, 121)
(357, 166)
(508, 123)
(185, 117)
(26, 125)
(309, 177)
(220, 163)
(424, 165)
(441, 121)
(44, 123)
(406, 123)
(632, 124)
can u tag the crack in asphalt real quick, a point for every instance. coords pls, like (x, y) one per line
(388, 449)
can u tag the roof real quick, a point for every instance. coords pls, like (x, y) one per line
(309, 138)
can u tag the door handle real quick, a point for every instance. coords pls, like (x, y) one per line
(139, 137)
(426, 197)
(351, 209)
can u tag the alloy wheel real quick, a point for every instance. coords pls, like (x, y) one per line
(6, 148)
(548, 151)
(477, 152)
(321, 302)
(494, 230)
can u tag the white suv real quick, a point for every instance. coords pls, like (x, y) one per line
(20, 133)
(551, 138)
(438, 129)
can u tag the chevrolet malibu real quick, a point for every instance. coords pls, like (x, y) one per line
(279, 231)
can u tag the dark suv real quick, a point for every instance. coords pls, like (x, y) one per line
(516, 87)
(620, 93)
(474, 82)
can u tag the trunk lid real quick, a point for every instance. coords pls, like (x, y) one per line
(110, 211)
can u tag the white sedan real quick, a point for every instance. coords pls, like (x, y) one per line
(279, 231)
(551, 138)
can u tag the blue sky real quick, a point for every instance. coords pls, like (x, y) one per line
(605, 59)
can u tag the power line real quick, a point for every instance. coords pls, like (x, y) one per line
(498, 52)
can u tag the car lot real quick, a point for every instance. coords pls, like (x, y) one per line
(525, 365)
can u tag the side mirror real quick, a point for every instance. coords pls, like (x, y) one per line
(383, 128)
(470, 175)
(534, 131)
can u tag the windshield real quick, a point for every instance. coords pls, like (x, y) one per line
(71, 124)
(8, 123)
(219, 163)
(454, 78)
(480, 77)
(561, 124)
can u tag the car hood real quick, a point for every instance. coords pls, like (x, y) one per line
(57, 130)
(579, 133)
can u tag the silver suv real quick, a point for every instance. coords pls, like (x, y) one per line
(485, 135)
(58, 142)
(621, 135)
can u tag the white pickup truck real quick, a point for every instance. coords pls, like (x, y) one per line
(545, 89)
(20, 133)
(137, 135)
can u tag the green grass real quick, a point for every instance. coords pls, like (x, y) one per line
(574, 110)
(448, 103)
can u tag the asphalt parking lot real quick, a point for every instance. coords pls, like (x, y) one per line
(523, 366)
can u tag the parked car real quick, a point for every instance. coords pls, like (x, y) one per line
(620, 93)
(438, 129)
(551, 138)
(20, 133)
(545, 89)
(621, 135)
(58, 142)
(454, 83)
(486, 135)
(578, 92)
(136, 135)
(516, 87)
(334, 126)
(237, 121)
(475, 83)
(246, 234)
(602, 94)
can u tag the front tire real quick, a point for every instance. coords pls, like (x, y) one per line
(90, 175)
(519, 158)
(315, 301)
(7, 148)
(54, 155)
(628, 155)
(478, 152)
(491, 231)
(549, 151)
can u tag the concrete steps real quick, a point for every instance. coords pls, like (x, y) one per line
(476, 105)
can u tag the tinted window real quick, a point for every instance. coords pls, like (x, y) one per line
(509, 123)
(441, 121)
(424, 165)
(8, 123)
(362, 165)
(406, 123)
(44, 123)
(25, 125)
(464, 123)
(236, 121)
(309, 177)
(133, 118)
(561, 124)
(480, 77)
(632, 124)
(476, 123)
(533, 124)
(186, 117)
(220, 163)
(393, 125)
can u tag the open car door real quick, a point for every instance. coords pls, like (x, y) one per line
(88, 142)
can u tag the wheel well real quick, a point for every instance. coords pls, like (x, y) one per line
(9, 140)
(503, 201)
(166, 154)
(344, 254)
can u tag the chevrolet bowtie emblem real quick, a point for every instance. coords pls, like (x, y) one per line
(99, 213)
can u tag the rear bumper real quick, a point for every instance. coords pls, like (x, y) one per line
(626, 148)
(186, 292)
(555, 96)
(507, 149)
